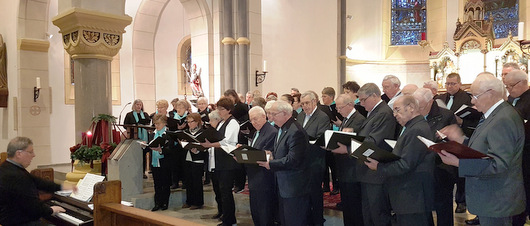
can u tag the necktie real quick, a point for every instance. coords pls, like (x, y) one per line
(306, 119)
(482, 118)
(450, 102)
(279, 134)
(343, 123)
(255, 138)
(515, 101)
(402, 130)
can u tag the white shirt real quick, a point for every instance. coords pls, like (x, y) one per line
(492, 108)
(374, 108)
(307, 117)
(391, 101)
(231, 135)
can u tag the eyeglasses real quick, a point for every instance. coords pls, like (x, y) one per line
(451, 84)
(29, 152)
(305, 103)
(398, 109)
(340, 108)
(511, 86)
(364, 99)
(477, 96)
(273, 114)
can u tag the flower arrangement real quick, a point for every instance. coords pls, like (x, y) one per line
(98, 142)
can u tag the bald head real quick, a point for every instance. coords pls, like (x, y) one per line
(409, 89)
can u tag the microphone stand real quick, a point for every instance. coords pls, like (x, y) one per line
(119, 118)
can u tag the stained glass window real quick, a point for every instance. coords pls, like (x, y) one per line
(505, 15)
(409, 21)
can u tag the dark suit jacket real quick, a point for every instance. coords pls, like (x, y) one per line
(290, 163)
(346, 165)
(461, 97)
(19, 199)
(169, 151)
(316, 125)
(377, 127)
(171, 122)
(259, 178)
(494, 187)
(129, 119)
(437, 119)
(523, 108)
(410, 180)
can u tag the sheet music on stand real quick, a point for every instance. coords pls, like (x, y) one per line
(85, 187)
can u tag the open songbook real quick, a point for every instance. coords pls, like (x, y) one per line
(459, 150)
(249, 155)
(465, 111)
(85, 187)
(189, 141)
(361, 150)
(331, 138)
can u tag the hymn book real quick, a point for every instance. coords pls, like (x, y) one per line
(332, 138)
(459, 150)
(362, 150)
(249, 155)
(85, 187)
(465, 111)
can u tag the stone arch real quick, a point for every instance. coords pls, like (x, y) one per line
(144, 30)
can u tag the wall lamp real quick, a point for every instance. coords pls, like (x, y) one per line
(260, 77)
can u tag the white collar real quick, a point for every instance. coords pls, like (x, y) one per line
(492, 108)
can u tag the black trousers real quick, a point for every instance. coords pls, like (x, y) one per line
(263, 207)
(217, 191)
(294, 211)
(350, 195)
(194, 190)
(226, 182)
(178, 171)
(240, 177)
(460, 195)
(331, 166)
(443, 196)
(316, 198)
(375, 204)
(162, 181)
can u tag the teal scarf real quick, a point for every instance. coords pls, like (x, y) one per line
(142, 133)
(157, 155)
(178, 117)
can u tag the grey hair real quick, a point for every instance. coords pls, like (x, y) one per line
(283, 106)
(431, 84)
(215, 115)
(369, 89)
(345, 98)
(269, 104)
(409, 100)
(486, 81)
(423, 94)
(511, 65)
(311, 95)
(202, 99)
(17, 143)
(518, 74)
(257, 110)
(485, 73)
(393, 79)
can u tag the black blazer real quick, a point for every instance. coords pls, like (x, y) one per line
(171, 122)
(377, 127)
(290, 163)
(461, 97)
(202, 155)
(223, 160)
(259, 178)
(179, 122)
(410, 180)
(316, 125)
(19, 199)
(346, 164)
(168, 150)
(204, 115)
(129, 119)
(437, 119)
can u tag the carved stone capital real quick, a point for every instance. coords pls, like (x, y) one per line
(91, 34)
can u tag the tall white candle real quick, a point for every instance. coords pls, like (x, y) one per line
(520, 31)
(264, 65)
(38, 82)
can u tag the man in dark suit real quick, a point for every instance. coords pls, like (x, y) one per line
(409, 180)
(494, 186)
(290, 166)
(315, 122)
(444, 175)
(350, 186)
(263, 197)
(379, 125)
(391, 87)
(19, 202)
(454, 99)
(517, 84)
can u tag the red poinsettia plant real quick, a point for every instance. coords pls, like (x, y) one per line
(98, 143)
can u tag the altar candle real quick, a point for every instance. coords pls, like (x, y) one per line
(520, 31)
(264, 65)
(423, 36)
(38, 82)
(89, 136)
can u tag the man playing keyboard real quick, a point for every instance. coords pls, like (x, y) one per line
(19, 202)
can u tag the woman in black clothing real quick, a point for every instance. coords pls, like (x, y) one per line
(179, 114)
(161, 163)
(138, 117)
(194, 166)
(202, 109)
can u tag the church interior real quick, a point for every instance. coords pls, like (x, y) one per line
(66, 61)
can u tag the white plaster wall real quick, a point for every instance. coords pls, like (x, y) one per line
(407, 73)
(365, 29)
(299, 45)
(8, 29)
(172, 27)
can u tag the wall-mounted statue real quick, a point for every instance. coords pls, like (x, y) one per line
(3, 74)
(194, 79)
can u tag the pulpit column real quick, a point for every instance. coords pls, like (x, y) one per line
(91, 38)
